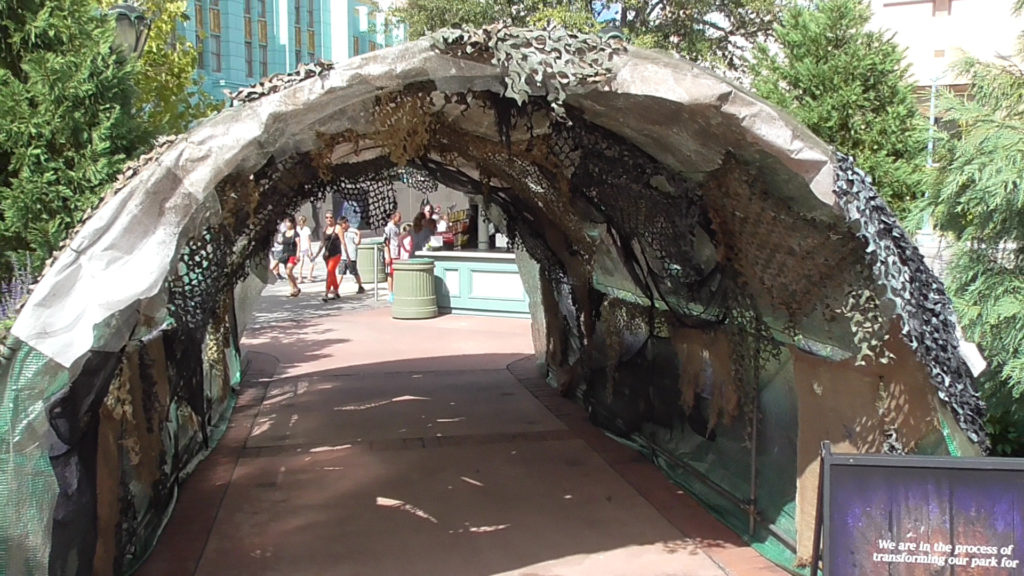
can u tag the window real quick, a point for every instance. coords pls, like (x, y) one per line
(262, 25)
(309, 14)
(200, 32)
(298, 13)
(355, 45)
(248, 60)
(311, 57)
(214, 53)
(298, 57)
(200, 24)
(373, 46)
(261, 9)
(264, 66)
(248, 29)
(298, 37)
(214, 35)
(311, 41)
(214, 20)
(362, 15)
(247, 8)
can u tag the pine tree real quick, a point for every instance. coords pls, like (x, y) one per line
(979, 199)
(73, 111)
(849, 85)
(66, 125)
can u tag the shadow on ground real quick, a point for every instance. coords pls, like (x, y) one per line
(445, 466)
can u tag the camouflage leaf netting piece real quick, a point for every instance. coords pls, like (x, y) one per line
(756, 232)
(926, 312)
(417, 179)
(868, 325)
(403, 123)
(620, 181)
(551, 60)
(373, 193)
(202, 279)
(278, 82)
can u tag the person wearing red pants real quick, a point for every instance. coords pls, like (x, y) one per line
(331, 247)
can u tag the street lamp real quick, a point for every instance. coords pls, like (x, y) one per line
(132, 29)
(931, 118)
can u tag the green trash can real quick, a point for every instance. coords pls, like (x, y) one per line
(365, 253)
(415, 295)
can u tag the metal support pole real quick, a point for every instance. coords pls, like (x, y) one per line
(483, 239)
(931, 142)
(931, 122)
(752, 504)
(826, 452)
(376, 269)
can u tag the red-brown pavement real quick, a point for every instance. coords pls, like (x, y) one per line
(364, 445)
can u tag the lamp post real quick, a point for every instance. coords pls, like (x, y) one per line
(931, 144)
(132, 29)
(931, 118)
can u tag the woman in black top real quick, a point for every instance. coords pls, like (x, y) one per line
(289, 253)
(331, 247)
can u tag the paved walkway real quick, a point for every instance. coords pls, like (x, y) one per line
(363, 445)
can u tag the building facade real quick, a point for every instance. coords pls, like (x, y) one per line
(241, 41)
(936, 33)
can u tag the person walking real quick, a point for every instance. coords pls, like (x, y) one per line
(391, 251)
(331, 246)
(275, 252)
(305, 250)
(351, 239)
(289, 254)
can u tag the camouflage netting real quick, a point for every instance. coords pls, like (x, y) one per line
(717, 286)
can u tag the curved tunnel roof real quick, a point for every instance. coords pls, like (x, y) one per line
(738, 183)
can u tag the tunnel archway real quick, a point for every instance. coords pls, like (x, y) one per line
(693, 243)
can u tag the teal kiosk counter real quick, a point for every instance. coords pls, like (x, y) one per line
(478, 282)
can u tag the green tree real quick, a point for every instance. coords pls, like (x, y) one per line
(979, 199)
(714, 32)
(66, 125)
(170, 96)
(425, 16)
(717, 33)
(73, 111)
(849, 85)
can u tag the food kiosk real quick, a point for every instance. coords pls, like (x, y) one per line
(471, 277)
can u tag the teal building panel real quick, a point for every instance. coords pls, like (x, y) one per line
(271, 34)
(485, 284)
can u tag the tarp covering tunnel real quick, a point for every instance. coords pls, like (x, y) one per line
(712, 279)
